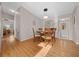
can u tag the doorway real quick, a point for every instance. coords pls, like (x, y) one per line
(64, 28)
(7, 30)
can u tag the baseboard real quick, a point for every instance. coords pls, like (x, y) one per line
(23, 40)
(56, 38)
(77, 43)
(26, 39)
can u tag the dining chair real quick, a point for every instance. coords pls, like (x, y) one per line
(40, 29)
(35, 35)
(47, 37)
(53, 36)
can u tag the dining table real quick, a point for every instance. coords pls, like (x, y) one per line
(47, 32)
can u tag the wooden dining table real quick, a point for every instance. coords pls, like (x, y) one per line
(44, 32)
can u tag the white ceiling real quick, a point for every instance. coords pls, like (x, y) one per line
(54, 8)
(8, 7)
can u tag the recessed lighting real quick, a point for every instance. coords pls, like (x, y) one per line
(13, 11)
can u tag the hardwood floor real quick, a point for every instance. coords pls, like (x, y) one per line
(64, 48)
(29, 48)
(21, 49)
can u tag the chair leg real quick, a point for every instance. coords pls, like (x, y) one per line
(40, 39)
(34, 39)
(52, 42)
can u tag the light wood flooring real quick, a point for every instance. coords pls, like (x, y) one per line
(29, 48)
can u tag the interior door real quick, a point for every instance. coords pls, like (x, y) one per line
(64, 28)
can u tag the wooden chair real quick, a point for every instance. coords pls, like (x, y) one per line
(53, 35)
(49, 36)
(35, 35)
(40, 29)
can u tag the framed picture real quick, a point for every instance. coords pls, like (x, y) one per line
(62, 26)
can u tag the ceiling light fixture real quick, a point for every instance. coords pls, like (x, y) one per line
(45, 17)
(45, 13)
(45, 9)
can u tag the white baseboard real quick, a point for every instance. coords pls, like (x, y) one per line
(25, 39)
(56, 37)
(77, 43)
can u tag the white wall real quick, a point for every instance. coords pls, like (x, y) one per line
(71, 29)
(76, 25)
(24, 24)
(17, 24)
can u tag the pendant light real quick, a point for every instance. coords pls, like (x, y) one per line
(45, 13)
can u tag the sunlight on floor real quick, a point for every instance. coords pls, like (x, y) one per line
(42, 44)
(43, 52)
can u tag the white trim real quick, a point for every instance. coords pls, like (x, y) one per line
(76, 43)
(15, 22)
(25, 39)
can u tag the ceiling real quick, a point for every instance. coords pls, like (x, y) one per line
(54, 8)
(8, 7)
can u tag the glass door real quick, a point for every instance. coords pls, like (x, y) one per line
(64, 28)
